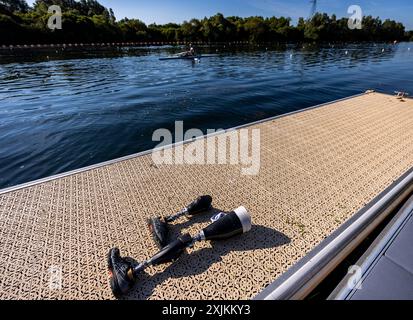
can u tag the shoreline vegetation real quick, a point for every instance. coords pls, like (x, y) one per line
(87, 21)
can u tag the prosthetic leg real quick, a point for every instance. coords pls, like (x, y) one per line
(124, 271)
(159, 226)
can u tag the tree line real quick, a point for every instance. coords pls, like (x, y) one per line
(89, 21)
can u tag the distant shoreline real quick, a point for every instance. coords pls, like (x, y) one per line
(114, 45)
(90, 23)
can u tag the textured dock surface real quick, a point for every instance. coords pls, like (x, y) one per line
(318, 167)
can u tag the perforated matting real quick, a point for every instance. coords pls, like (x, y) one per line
(318, 167)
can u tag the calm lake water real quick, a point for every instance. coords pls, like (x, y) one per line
(68, 111)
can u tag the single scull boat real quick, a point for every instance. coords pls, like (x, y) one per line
(189, 57)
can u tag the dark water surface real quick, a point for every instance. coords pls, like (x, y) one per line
(70, 111)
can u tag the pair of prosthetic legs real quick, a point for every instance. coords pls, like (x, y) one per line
(124, 271)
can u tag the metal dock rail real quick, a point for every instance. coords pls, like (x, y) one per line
(318, 168)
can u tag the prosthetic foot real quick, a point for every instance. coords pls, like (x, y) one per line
(124, 271)
(159, 226)
(121, 277)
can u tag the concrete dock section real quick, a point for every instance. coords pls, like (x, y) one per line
(318, 167)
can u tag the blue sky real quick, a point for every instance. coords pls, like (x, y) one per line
(162, 11)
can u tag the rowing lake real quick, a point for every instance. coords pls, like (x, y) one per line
(61, 111)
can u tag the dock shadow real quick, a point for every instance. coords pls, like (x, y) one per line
(199, 261)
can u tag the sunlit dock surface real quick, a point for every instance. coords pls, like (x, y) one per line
(318, 168)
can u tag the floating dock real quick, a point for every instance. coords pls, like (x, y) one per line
(319, 167)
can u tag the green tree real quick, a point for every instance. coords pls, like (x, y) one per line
(89, 21)
(10, 6)
(190, 30)
(392, 30)
(317, 28)
(256, 28)
(133, 29)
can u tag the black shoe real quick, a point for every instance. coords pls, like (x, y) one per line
(120, 269)
(159, 231)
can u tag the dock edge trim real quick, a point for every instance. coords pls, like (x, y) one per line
(370, 258)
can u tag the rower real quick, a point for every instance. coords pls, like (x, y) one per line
(190, 52)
